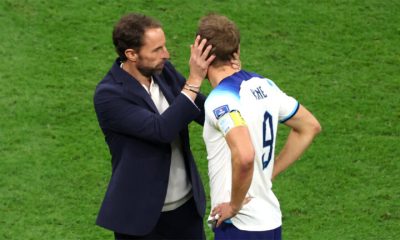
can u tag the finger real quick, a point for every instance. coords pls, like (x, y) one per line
(210, 59)
(191, 49)
(204, 55)
(235, 64)
(247, 200)
(214, 211)
(202, 44)
(196, 41)
(236, 56)
(220, 220)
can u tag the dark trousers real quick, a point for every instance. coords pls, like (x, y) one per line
(181, 223)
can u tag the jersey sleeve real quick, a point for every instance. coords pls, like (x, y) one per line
(288, 106)
(223, 111)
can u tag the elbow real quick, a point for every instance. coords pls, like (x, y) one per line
(316, 128)
(312, 128)
(247, 162)
(310, 131)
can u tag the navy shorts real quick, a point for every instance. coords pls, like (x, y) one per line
(227, 231)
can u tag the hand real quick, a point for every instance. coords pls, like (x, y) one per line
(198, 60)
(226, 211)
(235, 62)
(222, 212)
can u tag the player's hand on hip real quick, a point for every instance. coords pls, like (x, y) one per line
(226, 211)
(223, 212)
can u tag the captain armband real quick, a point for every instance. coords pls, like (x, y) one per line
(230, 120)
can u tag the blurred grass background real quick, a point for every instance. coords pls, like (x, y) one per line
(341, 59)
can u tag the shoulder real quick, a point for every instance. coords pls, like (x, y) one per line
(221, 101)
(107, 87)
(223, 94)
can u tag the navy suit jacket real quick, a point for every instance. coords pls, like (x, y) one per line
(139, 140)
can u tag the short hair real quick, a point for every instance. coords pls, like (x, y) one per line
(129, 31)
(222, 34)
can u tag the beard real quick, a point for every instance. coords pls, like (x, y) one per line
(149, 71)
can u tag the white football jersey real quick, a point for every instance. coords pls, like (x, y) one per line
(262, 105)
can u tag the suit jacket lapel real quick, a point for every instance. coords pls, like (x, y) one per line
(135, 88)
(132, 87)
(165, 89)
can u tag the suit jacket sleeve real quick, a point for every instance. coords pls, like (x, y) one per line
(126, 114)
(200, 99)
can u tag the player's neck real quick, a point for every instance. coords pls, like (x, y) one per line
(217, 74)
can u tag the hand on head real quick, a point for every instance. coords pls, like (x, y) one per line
(199, 60)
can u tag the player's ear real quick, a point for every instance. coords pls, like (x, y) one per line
(131, 55)
(235, 62)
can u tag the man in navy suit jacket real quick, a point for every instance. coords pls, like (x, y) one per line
(144, 106)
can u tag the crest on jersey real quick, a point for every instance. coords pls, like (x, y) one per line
(220, 111)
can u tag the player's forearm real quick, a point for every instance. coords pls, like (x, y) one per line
(242, 154)
(242, 175)
(295, 146)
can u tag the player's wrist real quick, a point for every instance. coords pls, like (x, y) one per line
(235, 207)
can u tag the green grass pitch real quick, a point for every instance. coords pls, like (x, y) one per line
(340, 59)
